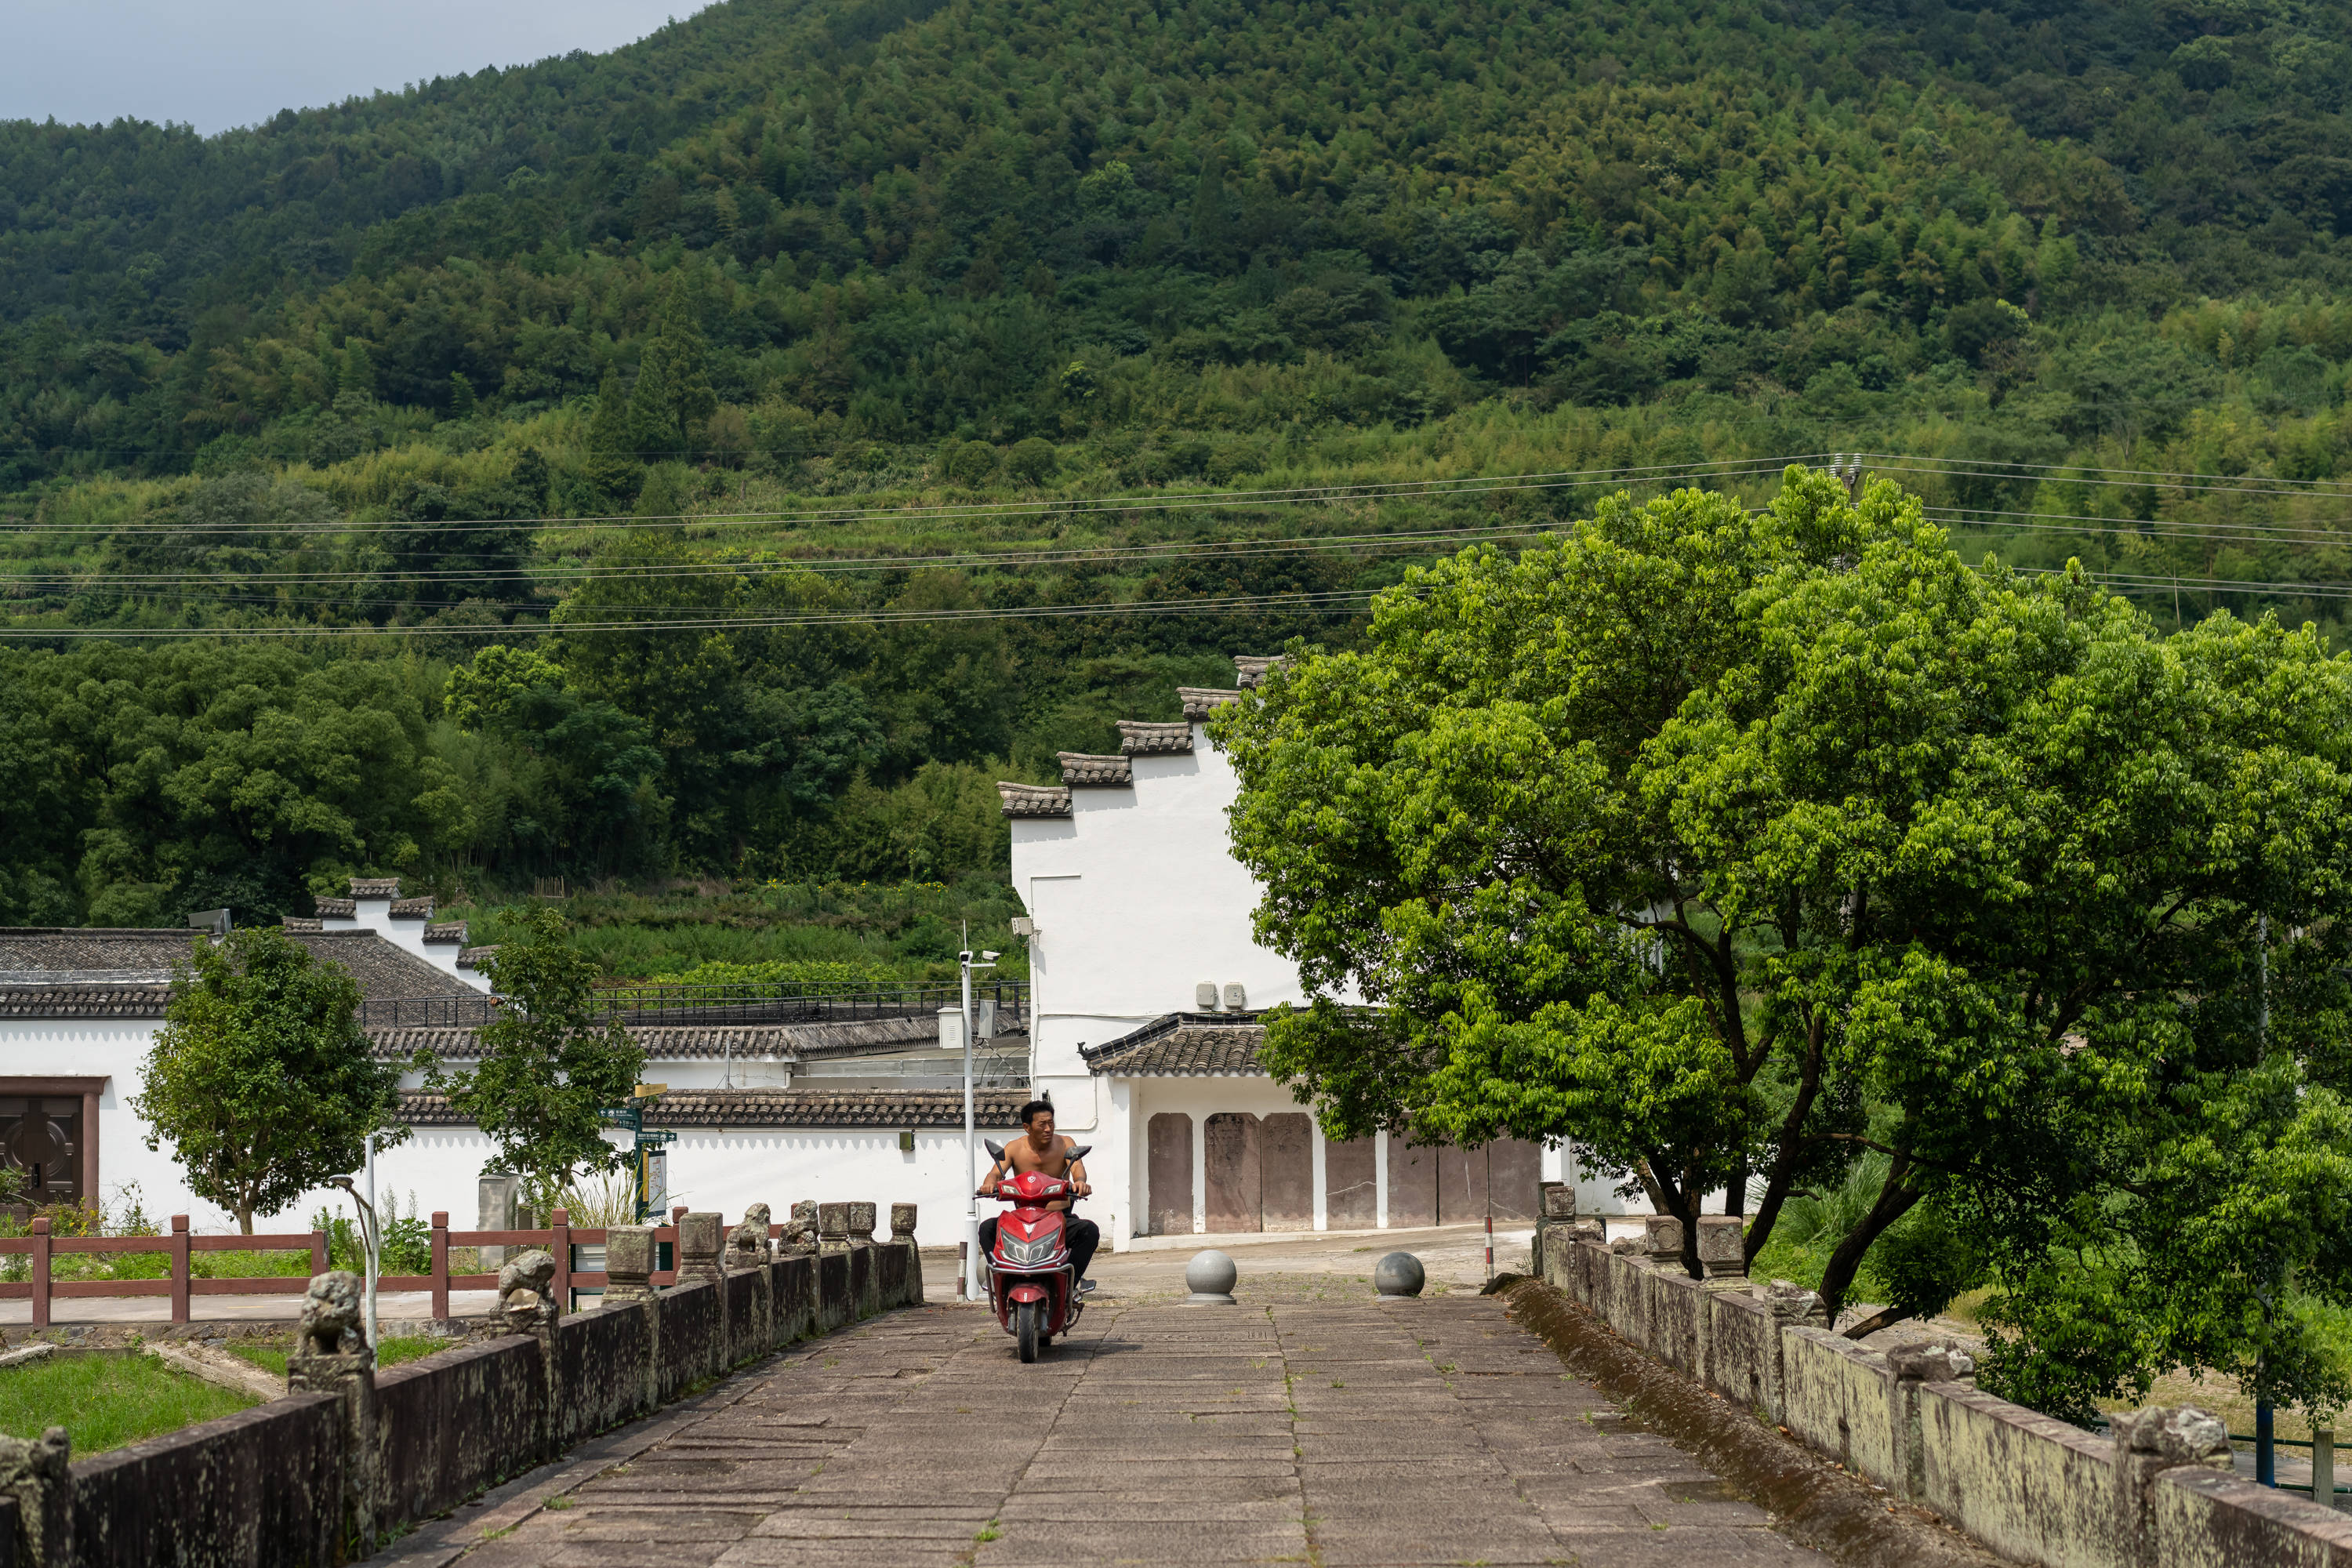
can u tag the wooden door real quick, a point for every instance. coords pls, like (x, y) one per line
(1286, 1171)
(1413, 1184)
(40, 1138)
(1230, 1144)
(1167, 1175)
(1351, 1193)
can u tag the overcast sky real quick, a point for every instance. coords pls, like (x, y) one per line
(218, 63)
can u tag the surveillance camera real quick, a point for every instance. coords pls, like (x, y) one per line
(988, 958)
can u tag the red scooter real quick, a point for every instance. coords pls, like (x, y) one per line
(1031, 1282)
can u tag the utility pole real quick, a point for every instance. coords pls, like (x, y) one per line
(970, 1246)
(2265, 1447)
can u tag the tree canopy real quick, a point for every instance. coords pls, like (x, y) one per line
(260, 1081)
(1732, 845)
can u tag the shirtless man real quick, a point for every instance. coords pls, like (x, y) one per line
(1041, 1150)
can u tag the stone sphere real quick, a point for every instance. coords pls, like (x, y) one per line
(1209, 1277)
(1399, 1274)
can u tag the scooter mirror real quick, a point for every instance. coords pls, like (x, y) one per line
(995, 1150)
(1081, 1150)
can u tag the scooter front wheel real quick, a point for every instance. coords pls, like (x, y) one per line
(1024, 1328)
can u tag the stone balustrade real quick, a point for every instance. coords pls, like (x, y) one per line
(2157, 1490)
(351, 1455)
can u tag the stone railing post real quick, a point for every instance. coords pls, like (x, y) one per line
(2147, 1443)
(1792, 1307)
(747, 1253)
(1555, 1210)
(747, 1244)
(527, 1306)
(1723, 1250)
(698, 1236)
(902, 1235)
(33, 1472)
(1913, 1367)
(629, 1256)
(832, 1228)
(331, 1357)
(862, 1217)
(1661, 1241)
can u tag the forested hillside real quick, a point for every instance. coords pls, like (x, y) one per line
(741, 386)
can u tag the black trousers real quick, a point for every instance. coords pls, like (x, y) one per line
(1085, 1236)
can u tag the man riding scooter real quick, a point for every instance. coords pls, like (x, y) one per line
(1043, 1151)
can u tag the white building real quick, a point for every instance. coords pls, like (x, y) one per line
(1142, 1028)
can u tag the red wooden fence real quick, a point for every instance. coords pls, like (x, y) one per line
(559, 1239)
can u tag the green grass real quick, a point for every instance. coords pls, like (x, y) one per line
(104, 1401)
(392, 1352)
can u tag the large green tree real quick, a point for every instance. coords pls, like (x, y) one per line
(1730, 845)
(260, 1081)
(550, 1061)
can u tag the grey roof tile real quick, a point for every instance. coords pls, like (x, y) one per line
(84, 1001)
(1079, 768)
(1183, 1045)
(375, 887)
(1199, 701)
(447, 931)
(1250, 669)
(336, 908)
(671, 1042)
(1034, 800)
(88, 955)
(1138, 739)
(475, 957)
(382, 969)
(411, 908)
(783, 1108)
(297, 922)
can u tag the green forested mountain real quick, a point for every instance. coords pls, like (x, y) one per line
(779, 283)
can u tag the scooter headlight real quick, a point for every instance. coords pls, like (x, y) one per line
(1026, 1253)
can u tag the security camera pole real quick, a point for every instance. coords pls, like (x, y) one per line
(971, 1248)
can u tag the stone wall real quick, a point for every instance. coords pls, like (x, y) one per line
(318, 1476)
(2157, 1493)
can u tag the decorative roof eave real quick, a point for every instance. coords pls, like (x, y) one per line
(295, 923)
(375, 887)
(1183, 1045)
(338, 909)
(475, 957)
(1034, 800)
(721, 1108)
(411, 908)
(1081, 769)
(1138, 738)
(1199, 701)
(446, 931)
(84, 1001)
(1250, 669)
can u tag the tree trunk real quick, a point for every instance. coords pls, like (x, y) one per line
(245, 1220)
(1885, 1318)
(1895, 1201)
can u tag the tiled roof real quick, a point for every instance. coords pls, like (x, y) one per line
(382, 969)
(298, 922)
(83, 1001)
(674, 1042)
(1034, 800)
(90, 955)
(992, 1108)
(448, 931)
(411, 908)
(1250, 669)
(475, 957)
(375, 887)
(1080, 768)
(1183, 1045)
(338, 909)
(1199, 701)
(1137, 737)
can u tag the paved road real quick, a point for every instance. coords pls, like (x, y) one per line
(1291, 1428)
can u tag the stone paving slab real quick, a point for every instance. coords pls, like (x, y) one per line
(1353, 1435)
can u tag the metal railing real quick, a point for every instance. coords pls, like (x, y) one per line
(671, 1007)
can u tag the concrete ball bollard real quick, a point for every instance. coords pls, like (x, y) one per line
(1209, 1277)
(1399, 1274)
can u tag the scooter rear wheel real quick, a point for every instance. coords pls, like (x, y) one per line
(1024, 1328)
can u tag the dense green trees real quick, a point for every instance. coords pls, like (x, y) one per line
(1733, 845)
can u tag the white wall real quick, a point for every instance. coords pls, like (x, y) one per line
(1138, 899)
(406, 934)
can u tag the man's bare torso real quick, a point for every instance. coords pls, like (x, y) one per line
(1054, 1159)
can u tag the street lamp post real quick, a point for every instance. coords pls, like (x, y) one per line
(971, 1248)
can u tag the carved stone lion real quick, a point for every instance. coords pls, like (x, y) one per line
(332, 1314)
(526, 1297)
(747, 1244)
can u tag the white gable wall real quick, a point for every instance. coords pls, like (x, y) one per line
(1138, 901)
